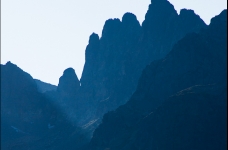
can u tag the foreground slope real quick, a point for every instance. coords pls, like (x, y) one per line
(197, 59)
(195, 118)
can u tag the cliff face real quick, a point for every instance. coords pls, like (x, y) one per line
(29, 120)
(115, 61)
(197, 59)
(107, 71)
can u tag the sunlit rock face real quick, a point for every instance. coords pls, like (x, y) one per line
(180, 101)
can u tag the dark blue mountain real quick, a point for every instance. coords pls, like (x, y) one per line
(29, 120)
(161, 85)
(180, 101)
(115, 60)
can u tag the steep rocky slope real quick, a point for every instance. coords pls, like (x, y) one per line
(197, 59)
(114, 61)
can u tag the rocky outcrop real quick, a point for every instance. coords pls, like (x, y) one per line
(67, 97)
(114, 61)
(68, 83)
(197, 59)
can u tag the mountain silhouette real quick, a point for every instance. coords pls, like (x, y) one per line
(66, 97)
(114, 61)
(68, 82)
(158, 85)
(29, 120)
(155, 119)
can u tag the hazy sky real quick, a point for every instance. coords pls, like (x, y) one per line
(44, 37)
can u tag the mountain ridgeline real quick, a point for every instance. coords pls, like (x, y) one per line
(114, 62)
(156, 86)
(180, 101)
(29, 120)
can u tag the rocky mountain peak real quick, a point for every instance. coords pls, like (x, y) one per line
(159, 1)
(111, 27)
(159, 15)
(219, 19)
(190, 15)
(129, 18)
(188, 18)
(11, 71)
(68, 82)
(9, 64)
(69, 72)
(187, 11)
(93, 39)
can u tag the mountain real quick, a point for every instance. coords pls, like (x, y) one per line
(166, 111)
(114, 61)
(67, 96)
(29, 120)
(68, 82)
(44, 87)
(161, 85)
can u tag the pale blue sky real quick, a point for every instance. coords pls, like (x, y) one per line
(44, 37)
